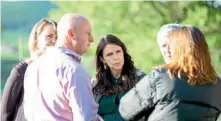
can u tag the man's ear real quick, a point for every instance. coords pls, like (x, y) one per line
(71, 34)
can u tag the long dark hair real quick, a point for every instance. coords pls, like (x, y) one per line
(104, 84)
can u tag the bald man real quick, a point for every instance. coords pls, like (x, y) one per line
(57, 87)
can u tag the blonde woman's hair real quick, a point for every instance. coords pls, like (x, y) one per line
(191, 56)
(36, 30)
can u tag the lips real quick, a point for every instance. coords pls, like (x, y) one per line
(117, 63)
(167, 55)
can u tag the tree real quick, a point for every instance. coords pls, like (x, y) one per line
(137, 24)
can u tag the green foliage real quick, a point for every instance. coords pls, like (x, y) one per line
(137, 24)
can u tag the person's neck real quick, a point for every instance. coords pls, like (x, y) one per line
(116, 73)
(70, 47)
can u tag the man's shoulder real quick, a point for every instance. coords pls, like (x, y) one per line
(53, 55)
(55, 60)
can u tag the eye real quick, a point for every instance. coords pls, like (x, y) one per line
(119, 51)
(88, 33)
(164, 45)
(49, 36)
(109, 54)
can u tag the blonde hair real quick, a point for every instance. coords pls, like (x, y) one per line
(191, 56)
(36, 30)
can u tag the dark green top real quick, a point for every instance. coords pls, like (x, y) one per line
(108, 105)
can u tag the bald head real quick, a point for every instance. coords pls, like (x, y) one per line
(74, 33)
(70, 21)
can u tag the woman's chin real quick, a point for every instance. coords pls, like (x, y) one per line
(118, 68)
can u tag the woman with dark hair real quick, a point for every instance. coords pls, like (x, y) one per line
(43, 34)
(186, 88)
(115, 75)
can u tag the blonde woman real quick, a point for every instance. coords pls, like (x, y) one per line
(43, 34)
(186, 88)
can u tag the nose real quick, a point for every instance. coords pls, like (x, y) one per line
(53, 41)
(91, 39)
(115, 56)
(168, 49)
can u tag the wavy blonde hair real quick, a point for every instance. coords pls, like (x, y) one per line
(36, 30)
(190, 56)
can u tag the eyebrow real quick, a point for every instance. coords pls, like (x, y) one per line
(108, 53)
(51, 34)
(115, 51)
(119, 49)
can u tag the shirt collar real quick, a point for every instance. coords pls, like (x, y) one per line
(116, 80)
(73, 54)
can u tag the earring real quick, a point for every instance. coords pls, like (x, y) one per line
(105, 66)
(35, 45)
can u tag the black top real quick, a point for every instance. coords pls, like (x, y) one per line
(12, 96)
(171, 99)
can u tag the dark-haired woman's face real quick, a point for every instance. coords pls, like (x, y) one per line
(113, 56)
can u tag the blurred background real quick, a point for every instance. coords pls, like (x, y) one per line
(135, 22)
